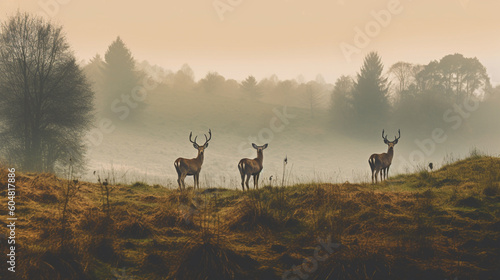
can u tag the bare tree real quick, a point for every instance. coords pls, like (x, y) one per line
(45, 99)
(403, 72)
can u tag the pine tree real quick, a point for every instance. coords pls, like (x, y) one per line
(120, 78)
(94, 73)
(250, 88)
(370, 99)
(341, 102)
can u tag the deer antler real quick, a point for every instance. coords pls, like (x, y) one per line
(384, 137)
(191, 134)
(399, 135)
(208, 139)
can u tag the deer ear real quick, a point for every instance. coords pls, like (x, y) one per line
(206, 145)
(386, 141)
(254, 146)
(265, 146)
(195, 146)
(395, 141)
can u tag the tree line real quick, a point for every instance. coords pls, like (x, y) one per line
(408, 95)
(48, 100)
(119, 73)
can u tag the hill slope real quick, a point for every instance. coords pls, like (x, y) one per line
(438, 225)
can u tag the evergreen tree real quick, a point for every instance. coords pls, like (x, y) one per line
(370, 99)
(341, 102)
(120, 78)
(250, 88)
(94, 72)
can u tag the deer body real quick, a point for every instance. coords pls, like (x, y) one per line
(191, 167)
(380, 163)
(252, 167)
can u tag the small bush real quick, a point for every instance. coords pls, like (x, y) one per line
(214, 262)
(475, 153)
(491, 190)
(133, 228)
(250, 216)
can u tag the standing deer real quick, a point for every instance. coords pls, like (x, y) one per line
(252, 167)
(191, 167)
(380, 163)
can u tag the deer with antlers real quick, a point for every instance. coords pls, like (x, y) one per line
(252, 167)
(191, 167)
(380, 163)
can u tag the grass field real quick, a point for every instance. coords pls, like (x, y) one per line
(427, 225)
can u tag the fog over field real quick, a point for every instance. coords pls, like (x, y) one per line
(298, 77)
(126, 128)
(143, 147)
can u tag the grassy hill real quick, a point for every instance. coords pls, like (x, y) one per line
(428, 225)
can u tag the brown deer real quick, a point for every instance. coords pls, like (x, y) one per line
(191, 167)
(252, 167)
(380, 163)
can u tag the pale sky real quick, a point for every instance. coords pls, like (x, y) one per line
(283, 37)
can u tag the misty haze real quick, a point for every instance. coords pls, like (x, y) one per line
(370, 127)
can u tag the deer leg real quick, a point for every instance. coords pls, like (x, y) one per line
(243, 181)
(179, 182)
(181, 179)
(382, 176)
(256, 180)
(246, 182)
(198, 181)
(387, 173)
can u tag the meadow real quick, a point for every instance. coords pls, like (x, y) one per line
(443, 224)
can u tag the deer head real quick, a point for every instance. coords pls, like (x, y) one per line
(201, 149)
(391, 144)
(259, 148)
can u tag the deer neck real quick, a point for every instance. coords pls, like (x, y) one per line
(200, 157)
(260, 158)
(390, 152)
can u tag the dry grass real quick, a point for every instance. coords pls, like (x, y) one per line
(438, 225)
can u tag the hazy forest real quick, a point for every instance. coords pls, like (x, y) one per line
(93, 143)
(326, 130)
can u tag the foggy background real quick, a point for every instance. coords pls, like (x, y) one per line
(239, 72)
